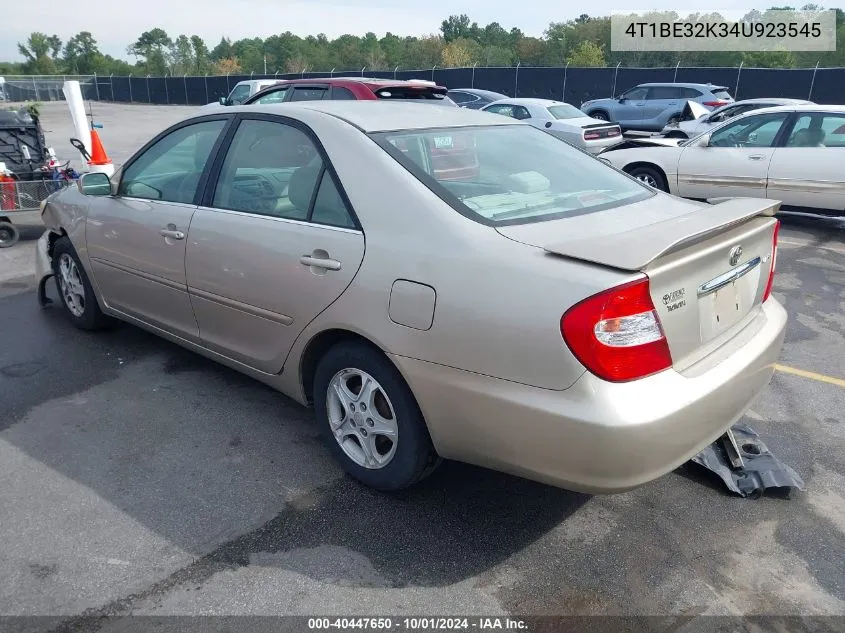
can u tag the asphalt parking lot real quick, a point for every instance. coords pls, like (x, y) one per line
(136, 477)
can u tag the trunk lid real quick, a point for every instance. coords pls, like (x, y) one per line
(708, 265)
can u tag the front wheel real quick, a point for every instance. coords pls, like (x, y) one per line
(650, 176)
(75, 290)
(370, 418)
(9, 234)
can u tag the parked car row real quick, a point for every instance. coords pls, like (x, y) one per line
(680, 161)
(788, 153)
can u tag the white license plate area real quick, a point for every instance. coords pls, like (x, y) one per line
(722, 309)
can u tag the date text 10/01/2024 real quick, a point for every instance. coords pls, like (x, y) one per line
(418, 624)
(773, 30)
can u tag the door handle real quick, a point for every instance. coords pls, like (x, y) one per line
(757, 157)
(173, 234)
(319, 262)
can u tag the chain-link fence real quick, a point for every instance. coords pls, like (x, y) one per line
(26, 195)
(573, 85)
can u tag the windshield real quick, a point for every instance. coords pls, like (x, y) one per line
(565, 111)
(510, 174)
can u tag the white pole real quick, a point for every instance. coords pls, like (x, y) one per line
(73, 96)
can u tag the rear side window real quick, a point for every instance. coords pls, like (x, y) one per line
(462, 97)
(308, 94)
(664, 92)
(341, 93)
(690, 93)
(722, 94)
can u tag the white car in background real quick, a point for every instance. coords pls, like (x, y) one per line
(562, 120)
(242, 91)
(788, 153)
(696, 119)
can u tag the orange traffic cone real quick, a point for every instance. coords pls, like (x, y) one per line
(98, 153)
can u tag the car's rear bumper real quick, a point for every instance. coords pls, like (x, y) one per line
(596, 437)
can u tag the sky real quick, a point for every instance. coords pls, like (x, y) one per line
(116, 24)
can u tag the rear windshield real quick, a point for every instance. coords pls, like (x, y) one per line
(722, 94)
(510, 174)
(565, 111)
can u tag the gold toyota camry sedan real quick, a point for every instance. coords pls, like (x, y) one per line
(437, 283)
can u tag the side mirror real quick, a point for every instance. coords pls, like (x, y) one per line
(95, 184)
(224, 101)
(620, 98)
(703, 141)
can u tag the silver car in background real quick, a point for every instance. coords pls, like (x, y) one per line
(696, 119)
(562, 120)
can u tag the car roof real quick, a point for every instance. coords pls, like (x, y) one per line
(530, 101)
(776, 100)
(479, 91)
(383, 116)
(660, 84)
(372, 82)
(800, 107)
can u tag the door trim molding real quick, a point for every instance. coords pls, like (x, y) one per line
(138, 273)
(282, 319)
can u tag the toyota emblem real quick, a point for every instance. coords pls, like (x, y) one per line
(735, 254)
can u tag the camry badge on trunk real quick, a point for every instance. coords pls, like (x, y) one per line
(736, 253)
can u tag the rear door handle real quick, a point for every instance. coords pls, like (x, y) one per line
(757, 157)
(318, 262)
(173, 234)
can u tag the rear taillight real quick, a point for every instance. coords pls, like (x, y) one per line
(616, 334)
(615, 132)
(716, 104)
(591, 136)
(771, 280)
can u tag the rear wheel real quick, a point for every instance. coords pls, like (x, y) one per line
(601, 115)
(9, 234)
(75, 290)
(370, 418)
(650, 176)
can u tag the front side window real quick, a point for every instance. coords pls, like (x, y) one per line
(170, 169)
(752, 131)
(239, 94)
(510, 174)
(636, 94)
(277, 96)
(274, 169)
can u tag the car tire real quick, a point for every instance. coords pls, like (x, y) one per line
(9, 234)
(649, 175)
(75, 290)
(357, 440)
(601, 115)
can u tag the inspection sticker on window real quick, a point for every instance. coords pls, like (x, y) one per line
(442, 142)
(810, 29)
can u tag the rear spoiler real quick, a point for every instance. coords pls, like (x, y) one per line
(635, 249)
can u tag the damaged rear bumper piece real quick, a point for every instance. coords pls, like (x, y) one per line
(746, 465)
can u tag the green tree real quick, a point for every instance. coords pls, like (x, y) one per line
(181, 56)
(40, 51)
(201, 55)
(459, 27)
(223, 50)
(81, 56)
(152, 46)
(586, 55)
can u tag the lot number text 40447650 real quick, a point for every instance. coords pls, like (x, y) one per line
(418, 623)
